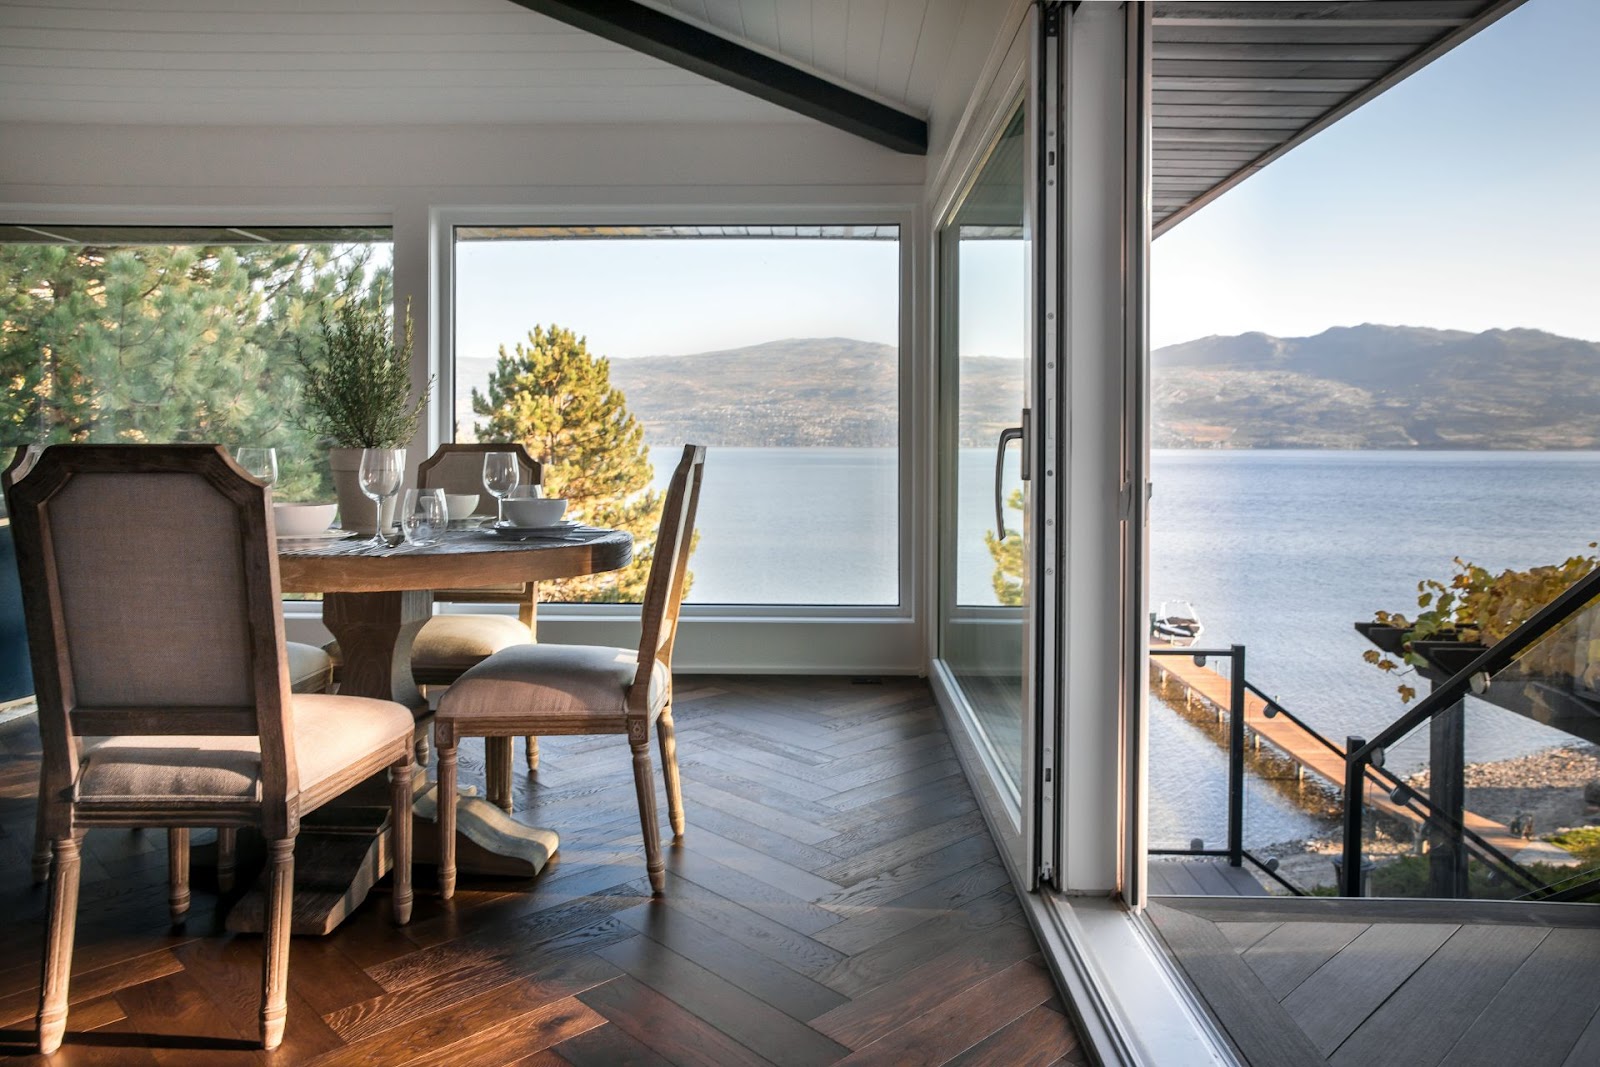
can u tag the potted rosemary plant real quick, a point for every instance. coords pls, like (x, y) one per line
(357, 395)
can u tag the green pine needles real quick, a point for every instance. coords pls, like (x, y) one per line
(358, 393)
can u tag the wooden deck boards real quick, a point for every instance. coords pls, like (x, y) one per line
(836, 899)
(1361, 988)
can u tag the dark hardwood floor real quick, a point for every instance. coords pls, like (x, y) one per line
(837, 899)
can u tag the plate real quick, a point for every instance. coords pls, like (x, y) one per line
(321, 535)
(522, 533)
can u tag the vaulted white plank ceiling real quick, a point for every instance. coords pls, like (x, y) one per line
(1236, 83)
(249, 62)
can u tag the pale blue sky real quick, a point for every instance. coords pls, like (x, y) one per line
(668, 296)
(1459, 199)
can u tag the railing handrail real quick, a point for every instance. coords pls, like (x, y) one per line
(1490, 661)
(1275, 708)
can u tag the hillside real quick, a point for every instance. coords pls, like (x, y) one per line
(1348, 387)
(1379, 387)
(797, 392)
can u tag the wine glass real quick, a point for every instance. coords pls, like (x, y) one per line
(381, 472)
(501, 473)
(261, 463)
(423, 516)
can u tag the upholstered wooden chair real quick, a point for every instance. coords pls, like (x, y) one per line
(542, 688)
(310, 671)
(150, 581)
(448, 644)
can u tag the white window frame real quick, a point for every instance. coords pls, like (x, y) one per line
(758, 638)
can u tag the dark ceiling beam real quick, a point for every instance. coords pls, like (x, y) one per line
(644, 29)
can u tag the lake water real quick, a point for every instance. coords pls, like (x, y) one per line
(1283, 551)
(1279, 551)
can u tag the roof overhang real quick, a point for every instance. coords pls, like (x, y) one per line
(1236, 85)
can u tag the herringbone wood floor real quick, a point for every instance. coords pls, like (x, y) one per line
(836, 899)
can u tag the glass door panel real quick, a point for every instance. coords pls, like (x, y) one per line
(984, 586)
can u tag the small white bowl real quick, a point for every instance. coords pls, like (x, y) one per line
(533, 513)
(460, 505)
(302, 520)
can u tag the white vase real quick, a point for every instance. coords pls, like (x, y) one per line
(356, 511)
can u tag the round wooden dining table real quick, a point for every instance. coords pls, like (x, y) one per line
(374, 601)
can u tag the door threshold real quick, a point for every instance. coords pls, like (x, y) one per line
(1131, 1005)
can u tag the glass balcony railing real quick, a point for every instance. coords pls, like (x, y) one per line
(1512, 829)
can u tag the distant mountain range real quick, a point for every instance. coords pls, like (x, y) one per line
(1379, 387)
(1348, 387)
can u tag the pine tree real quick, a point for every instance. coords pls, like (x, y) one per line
(1007, 556)
(556, 398)
(165, 343)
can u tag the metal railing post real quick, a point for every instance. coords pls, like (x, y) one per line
(1236, 699)
(1354, 790)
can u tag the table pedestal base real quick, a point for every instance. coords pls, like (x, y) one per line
(335, 867)
(488, 841)
(340, 856)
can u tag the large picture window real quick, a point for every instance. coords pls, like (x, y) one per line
(173, 334)
(605, 349)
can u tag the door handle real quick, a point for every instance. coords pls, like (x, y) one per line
(1009, 434)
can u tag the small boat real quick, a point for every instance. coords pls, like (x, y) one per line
(1177, 621)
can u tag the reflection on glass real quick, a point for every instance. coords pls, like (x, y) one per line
(983, 601)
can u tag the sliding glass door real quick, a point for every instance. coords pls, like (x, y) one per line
(985, 584)
(1000, 513)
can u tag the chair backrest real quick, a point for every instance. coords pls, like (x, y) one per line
(150, 583)
(16, 677)
(458, 468)
(669, 565)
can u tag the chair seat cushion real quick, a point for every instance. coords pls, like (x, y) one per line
(534, 681)
(457, 642)
(331, 733)
(449, 644)
(310, 668)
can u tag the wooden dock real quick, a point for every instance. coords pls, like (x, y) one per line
(1309, 753)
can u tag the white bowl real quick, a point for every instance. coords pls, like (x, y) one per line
(535, 512)
(302, 520)
(525, 492)
(460, 505)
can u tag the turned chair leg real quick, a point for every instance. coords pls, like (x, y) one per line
(533, 753)
(644, 783)
(41, 841)
(497, 770)
(275, 966)
(178, 873)
(447, 812)
(62, 924)
(400, 835)
(668, 739)
(420, 750)
(227, 856)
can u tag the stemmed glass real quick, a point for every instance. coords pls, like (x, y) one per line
(501, 473)
(261, 463)
(381, 472)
